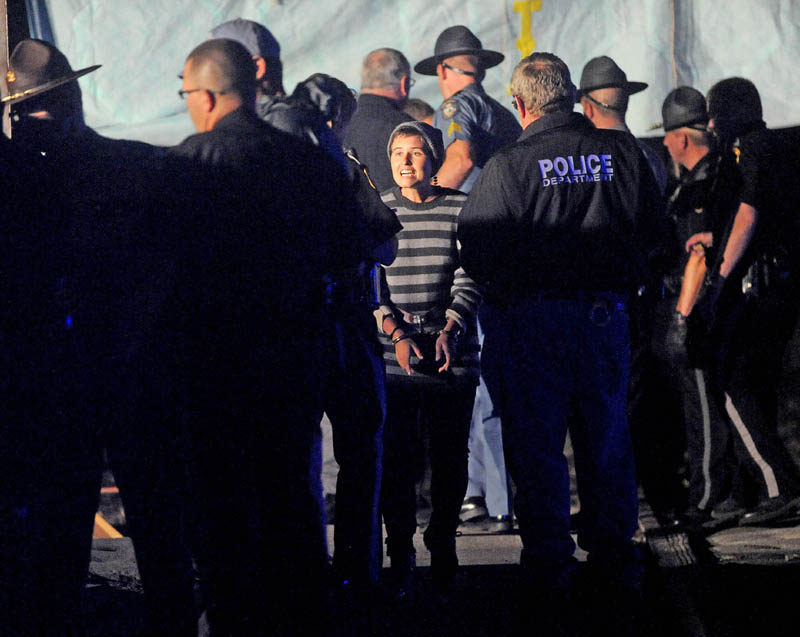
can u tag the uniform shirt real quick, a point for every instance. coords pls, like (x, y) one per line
(690, 211)
(472, 116)
(567, 207)
(761, 167)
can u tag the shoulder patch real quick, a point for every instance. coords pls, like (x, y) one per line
(449, 108)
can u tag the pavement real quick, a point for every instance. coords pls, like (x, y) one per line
(738, 581)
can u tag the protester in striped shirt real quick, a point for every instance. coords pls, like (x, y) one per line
(428, 307)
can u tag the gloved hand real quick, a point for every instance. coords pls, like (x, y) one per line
(675, 338)
(707, 305)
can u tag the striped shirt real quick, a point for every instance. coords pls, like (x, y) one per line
(426, 279)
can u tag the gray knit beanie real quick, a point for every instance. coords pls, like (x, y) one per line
(431, 137)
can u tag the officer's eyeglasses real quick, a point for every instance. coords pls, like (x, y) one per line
(182, 93)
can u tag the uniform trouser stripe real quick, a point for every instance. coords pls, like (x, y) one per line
(704, 410)
(747, 439)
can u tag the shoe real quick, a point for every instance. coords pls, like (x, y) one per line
(667, 518)
(772, 510)
(444, 562)
(402, 575)
(500, 524)
(473, 508)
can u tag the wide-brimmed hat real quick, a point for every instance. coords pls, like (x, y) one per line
(37, 66)
(457, 40)
(684, 107)
(603, 72)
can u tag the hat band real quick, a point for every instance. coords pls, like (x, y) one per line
(459, 71)
(603, 104)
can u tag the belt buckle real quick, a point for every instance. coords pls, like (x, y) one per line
(600, 314)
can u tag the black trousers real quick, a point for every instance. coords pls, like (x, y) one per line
(445, 411)
(355, 402)
(747, 344)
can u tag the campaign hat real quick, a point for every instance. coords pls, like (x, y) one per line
(36, 67)
(603, 72)
(684, 107)
(457, 40)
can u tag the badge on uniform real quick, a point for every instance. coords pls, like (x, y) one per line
(449, 108)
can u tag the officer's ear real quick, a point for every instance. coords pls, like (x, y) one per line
(520, 106)
(588, 108)
(405, 85)
(261, 66)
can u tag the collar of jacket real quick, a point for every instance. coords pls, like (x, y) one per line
(554, 120)
(702, 169)
(475, 87)
(371, 102)
(236, 117)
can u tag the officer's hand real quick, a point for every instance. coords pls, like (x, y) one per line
(403, 350)
(704, 238)
(675, 340)
(707, 305)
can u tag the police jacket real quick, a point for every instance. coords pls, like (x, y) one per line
(368, 134)
(567, 207)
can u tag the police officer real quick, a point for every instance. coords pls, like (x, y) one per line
(473, 127)
(604, 94)
(691, 146)
(473, 124)
(558, 228)
(750, 302)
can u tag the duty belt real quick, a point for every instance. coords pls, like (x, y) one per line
(603, 305)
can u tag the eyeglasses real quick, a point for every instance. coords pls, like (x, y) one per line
(182, 93)
(411, 82)
(514, 102)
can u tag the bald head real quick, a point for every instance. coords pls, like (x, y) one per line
(606, 107)
(223, 67)
(219, 77)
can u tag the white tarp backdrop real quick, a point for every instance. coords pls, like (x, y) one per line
(142, 45)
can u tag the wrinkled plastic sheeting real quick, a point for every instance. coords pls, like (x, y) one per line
(142, 45)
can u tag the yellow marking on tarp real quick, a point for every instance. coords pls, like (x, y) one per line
(454, 126)
(526, 43)
(102, 529)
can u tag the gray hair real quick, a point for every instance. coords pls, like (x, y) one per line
(384, 68)
(699, 137)
(543, 83)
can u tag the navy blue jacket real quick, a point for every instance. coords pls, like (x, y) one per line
(567, 207)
